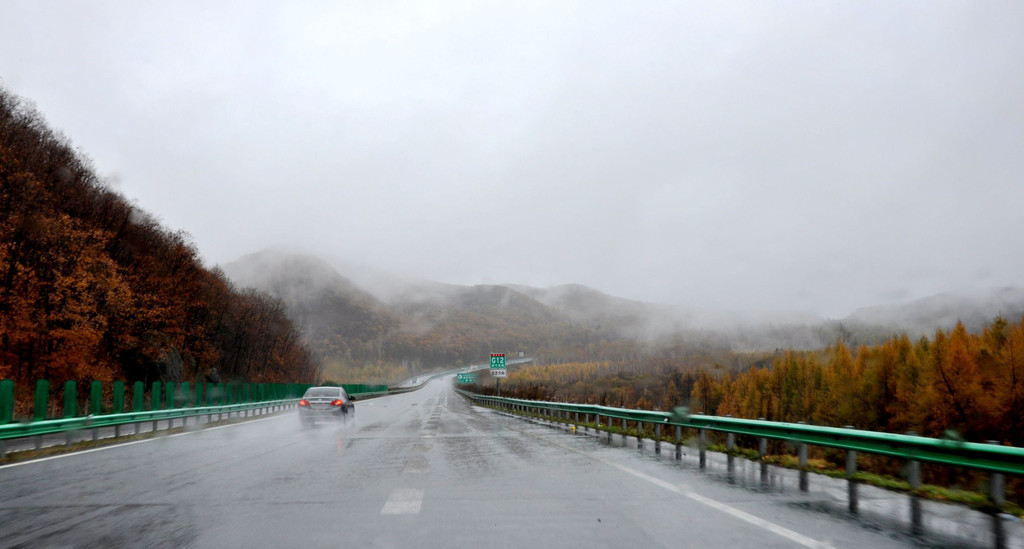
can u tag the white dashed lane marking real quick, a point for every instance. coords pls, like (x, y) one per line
(403, 501)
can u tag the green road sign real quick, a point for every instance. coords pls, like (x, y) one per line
(468, 377)
(497, 361)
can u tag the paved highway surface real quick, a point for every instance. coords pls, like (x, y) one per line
(421, 469)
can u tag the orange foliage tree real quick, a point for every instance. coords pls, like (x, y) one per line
(91, 288)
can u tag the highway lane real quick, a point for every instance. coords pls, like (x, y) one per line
(421, 469)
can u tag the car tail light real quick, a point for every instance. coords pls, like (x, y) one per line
(337, 402)
(303, 402)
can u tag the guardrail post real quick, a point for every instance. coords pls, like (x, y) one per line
(657, 438)
(702, 438)
(851, 485)
(801, 453)
(914, 478)
(762, 451)
(679, 442)
(586, 423)
(997, 496)
(997, 485)
(639, 435)
(730, 459)
(625, 431)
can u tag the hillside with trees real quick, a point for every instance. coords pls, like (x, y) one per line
(954, 384)
(93, 288)
(421, 328)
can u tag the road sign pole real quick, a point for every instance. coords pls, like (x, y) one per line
(498, 369)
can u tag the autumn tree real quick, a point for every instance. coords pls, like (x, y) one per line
(92, 288)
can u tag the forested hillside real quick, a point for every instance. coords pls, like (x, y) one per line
(362, 338)
(956, 384)
(92, 288)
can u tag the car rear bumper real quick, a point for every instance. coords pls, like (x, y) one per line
(315, 416)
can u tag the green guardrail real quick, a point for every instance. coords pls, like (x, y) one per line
(111, 406)
(60, 425)
(986, 457)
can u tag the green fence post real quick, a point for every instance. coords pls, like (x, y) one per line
(199, 395)
(155, 395)
(42, 400)
(70, 399)
(6, 401)
(246, 394)
(169, 398)
(118, 405)
(138, 396)
(220, 394)
(138, 401)
(95, 404)
(209, 394)
(185, 394)
(96, 398)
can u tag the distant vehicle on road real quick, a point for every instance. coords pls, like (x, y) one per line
(324, 404)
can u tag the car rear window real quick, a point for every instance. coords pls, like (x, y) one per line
(323, 392)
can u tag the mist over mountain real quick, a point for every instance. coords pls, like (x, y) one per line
(333, 314)
(924, 316)
(425, 324)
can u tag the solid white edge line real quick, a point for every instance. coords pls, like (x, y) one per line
(129, 443)
(714, 504)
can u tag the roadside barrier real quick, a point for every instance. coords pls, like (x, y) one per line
(162, 406)
(993, 458)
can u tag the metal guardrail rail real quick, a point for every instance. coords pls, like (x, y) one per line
(986, 457)
(995, 459)
(168, 403)
(52, 426)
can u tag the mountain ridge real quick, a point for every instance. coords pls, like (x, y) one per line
(433, 322)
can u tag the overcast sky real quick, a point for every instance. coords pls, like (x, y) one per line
(812, 156)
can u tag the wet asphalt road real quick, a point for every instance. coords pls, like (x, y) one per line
(422, 469)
